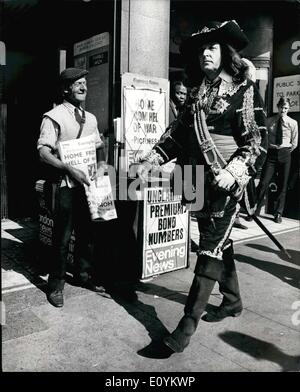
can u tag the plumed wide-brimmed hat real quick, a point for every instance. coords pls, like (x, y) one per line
(228, 32)
(72, 74)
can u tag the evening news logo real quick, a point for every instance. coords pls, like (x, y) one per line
(163, 260)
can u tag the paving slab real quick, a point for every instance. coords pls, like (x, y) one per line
(93, 334)
(78, 339)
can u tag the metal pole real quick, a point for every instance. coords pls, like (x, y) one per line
(270, 235)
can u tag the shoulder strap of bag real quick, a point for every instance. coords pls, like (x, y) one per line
(81, 124)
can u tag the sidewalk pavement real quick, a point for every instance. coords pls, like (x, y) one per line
(95, 334)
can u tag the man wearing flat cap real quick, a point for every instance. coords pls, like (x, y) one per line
(223, 129)
(69, 121)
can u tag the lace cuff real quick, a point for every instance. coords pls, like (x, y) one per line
(239, 171)
(153, 157)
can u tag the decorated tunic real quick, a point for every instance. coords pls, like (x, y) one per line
(237, 125)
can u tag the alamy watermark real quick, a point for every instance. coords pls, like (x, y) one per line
(3, 313)
(187, 182)
(296, 315)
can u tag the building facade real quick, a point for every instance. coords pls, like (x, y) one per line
(143, 37)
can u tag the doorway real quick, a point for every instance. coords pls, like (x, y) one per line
(35, 33)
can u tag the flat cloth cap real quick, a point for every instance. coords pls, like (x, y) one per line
(72, 74)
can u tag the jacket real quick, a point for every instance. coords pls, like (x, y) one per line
(237, 124)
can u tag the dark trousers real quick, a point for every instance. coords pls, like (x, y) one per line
(228, 282)
(116, 250)
(71, 212)
(215, 263)
(278, 161)
(216, 255)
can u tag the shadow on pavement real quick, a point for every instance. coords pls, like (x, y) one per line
(156, 350)
(163, 292)
(175, 296)
(22, 258)
(261, 350)
(147, 316)
(285, 273)
(295, 254)
(31, 251)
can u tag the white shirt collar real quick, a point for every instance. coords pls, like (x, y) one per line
(225, 76)
(70, 106)
(226, 83)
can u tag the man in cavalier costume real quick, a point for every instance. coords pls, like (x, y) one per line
(222, 128)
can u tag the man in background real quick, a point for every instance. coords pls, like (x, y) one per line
(283, 139)
(178, 95)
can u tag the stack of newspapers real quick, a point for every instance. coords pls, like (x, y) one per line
(81, 154)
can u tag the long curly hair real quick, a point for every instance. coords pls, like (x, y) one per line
(231, 62)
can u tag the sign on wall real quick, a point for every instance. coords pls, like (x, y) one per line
(93, 55)
(288, 87)
(166, 228)
(144, 115)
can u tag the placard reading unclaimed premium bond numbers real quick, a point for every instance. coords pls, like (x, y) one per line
(166, 230)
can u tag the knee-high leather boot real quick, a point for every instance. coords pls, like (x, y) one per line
(229, 287)
(197, 299)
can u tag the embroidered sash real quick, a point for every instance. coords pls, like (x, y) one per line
(212, 155)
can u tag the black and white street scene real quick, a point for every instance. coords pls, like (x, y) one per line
(150, 188)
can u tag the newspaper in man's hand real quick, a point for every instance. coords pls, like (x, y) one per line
(100, 199)
(81, 154)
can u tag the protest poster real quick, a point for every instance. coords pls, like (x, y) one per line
(81, 154)
(165, 228)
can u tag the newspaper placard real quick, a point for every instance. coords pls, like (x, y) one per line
(165, 244)
(144, 121)
(81, 154)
